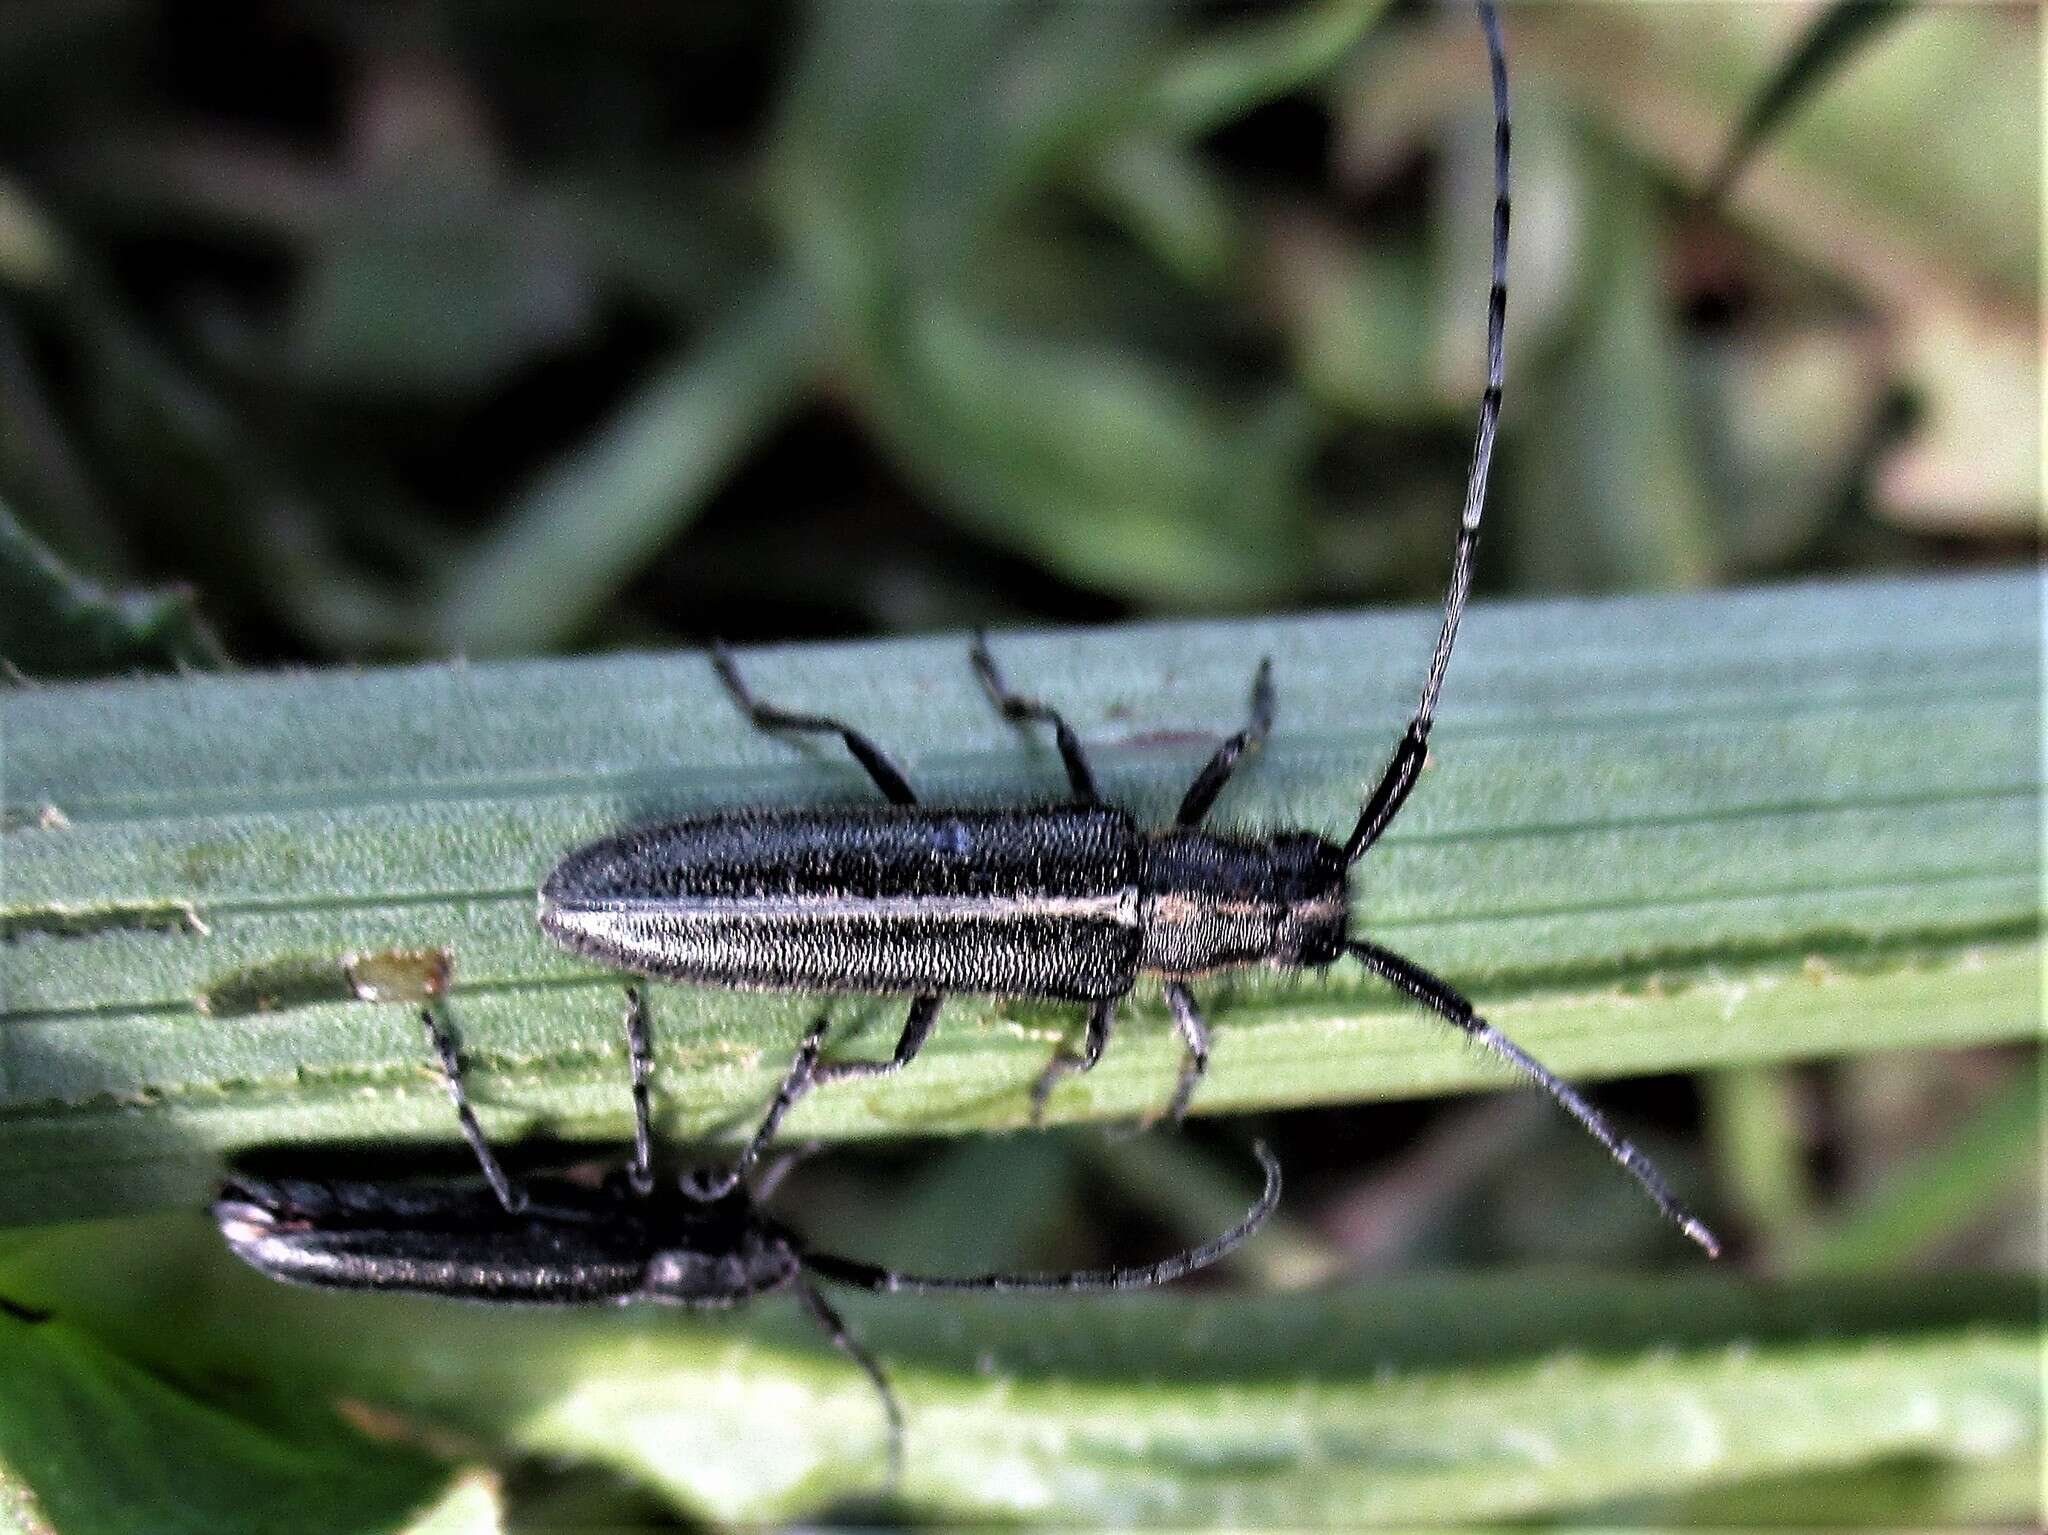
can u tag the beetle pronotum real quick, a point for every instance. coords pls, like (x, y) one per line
(699, 1241)
(1072, 902)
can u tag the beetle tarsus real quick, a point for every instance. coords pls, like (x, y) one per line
(1063, 1064)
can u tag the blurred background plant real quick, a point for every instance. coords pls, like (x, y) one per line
(334, 332)
(496, 328)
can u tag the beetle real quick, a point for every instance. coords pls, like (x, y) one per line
(1071, 902)
(699, 1241)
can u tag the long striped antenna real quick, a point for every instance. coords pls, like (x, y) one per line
(1404, 974)
(1387, 799)
(1441, 998)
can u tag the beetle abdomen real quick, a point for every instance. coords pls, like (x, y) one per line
(1012, 903)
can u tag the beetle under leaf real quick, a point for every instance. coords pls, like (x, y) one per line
(700, 1241)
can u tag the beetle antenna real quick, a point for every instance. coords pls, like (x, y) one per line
(851, 1271)
(1399, 778)
(802, 1076)
(772, 1175)
(1417, 983)
(640, 1053)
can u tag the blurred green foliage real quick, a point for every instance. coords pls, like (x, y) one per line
(332, 332)
(493, 327)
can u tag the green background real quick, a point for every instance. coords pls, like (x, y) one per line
(445, 333)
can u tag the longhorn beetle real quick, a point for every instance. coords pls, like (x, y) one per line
(700, 1241)
(1073, 902)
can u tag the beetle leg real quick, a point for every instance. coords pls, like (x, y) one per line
(21, 1313)
(1216, 772)
(843, 1340)
(1064, 1065)
(450, 1060)
(1019, 709)
(917, 1028)
(1194, 1032)
(886, 775)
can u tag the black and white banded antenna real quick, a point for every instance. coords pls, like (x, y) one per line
(1386, 800)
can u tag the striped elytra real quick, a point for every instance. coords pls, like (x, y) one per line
(1069, 902)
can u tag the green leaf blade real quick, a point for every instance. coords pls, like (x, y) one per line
(1438, 1400)
(90, 1441)
(1656, 835)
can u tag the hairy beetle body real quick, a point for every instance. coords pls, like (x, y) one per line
(1067, 902)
